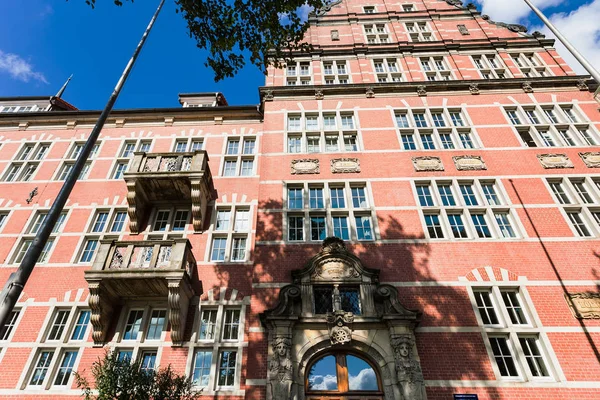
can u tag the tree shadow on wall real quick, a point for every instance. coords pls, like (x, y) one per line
(403, 260)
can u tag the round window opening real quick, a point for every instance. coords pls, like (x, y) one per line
(342, 373)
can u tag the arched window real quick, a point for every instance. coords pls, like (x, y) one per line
(342, 376)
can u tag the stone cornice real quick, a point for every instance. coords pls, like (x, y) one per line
(166, 116)
(480, 86)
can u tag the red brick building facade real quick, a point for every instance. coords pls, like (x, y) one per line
(454, 156)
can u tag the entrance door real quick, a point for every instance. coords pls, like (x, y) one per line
(342, 376)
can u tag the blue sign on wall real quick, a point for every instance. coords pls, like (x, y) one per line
(466, 397)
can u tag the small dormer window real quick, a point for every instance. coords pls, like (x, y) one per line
(327, 298)
(369, 9)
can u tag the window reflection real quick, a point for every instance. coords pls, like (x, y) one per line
(323, 375)
(360, 374)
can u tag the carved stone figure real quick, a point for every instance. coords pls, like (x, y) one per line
(422, 90)
(527, 88)
(340, 326)
(474, 88)
(319, 95)
(370, 92)
(408, 369)
(280, 370)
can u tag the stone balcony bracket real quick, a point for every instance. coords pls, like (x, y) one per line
(164, 178)
(163, 270)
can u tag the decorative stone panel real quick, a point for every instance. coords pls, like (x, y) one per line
(345, 165)
(591, 159)
(305, 166)
(469, 163)
(584, 305)
(551, 161)
(427, 164)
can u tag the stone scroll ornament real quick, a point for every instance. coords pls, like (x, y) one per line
(584, 305)
(591, 160)
(552, 161)
(469, 163)
(427, 164)
(408, 368)
(307, 166)
(281, 376)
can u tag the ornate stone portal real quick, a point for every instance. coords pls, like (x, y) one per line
(336, 303)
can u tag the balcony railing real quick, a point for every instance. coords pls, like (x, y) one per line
(163, 269)
(167, 178)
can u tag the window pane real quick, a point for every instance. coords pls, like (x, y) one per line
(503, 221)
(446, 195)
(66, 368)
(458, 227)
(534, 358)
(468, 195)
(231, 325)
(58, 325)
(238, 252)
(317, 228)
(295, 228)
(227, 368)
(132, 327)
(202, 363)
(100, 222)
(503, 357)
(363, 228)
(360, 374)
(81, 326)
(148, 361)
(340, 228)
(180, 220)
(580, 227)
(208, 324)
(118, 222)
(7, 329)
(481, 226)
(433, 226)
(316, 198)
(424, 195)
(486, 308)
(162, 219)
(155, 327)
(88, 251)
(359, 198)
(222, 220)
(513, 306)
(323, 374)
(41, 368)
(337, 198)
(350, 300)
(218, 249)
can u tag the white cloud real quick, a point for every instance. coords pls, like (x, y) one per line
(323, 382)
(582, 29)
(365, 380)
(19, 68)
(511, 11)
(304, 10)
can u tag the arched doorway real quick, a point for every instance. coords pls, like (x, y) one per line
(342, 376)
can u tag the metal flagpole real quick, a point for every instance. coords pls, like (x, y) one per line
(582, 60)
(17, 280)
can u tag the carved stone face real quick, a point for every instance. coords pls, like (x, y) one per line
(281, 349)
(404, 350)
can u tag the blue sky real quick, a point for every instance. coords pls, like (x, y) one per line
(42, 42)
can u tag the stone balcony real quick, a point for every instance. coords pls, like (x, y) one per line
(153, 270)
(164, 178)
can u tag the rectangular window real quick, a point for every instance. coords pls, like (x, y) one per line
(427, 141)
(489, 192)
(363, 228)
(41, 368)
(120, 170)
(434, 228)
(118, 221)
(162, 220)
(223, 217)
(231, 325)
(89, 250)
(23, 250)
(202, 363)
(514, 117)
(128, 149)
(513, 307)
(457, 226)
(249, 145)
(340, 228)
(533, 355)
(155, 327)
(218, 249)
(318, 228)
(582, 192)
(7, 329)
(408, 142)
(503, 356)
(148, 361)
(294, 144)
(208, 325)
(580, 226)
(338, 199)
(331, 143)
(424, 195)
(242, 220)
(233, 147)
(58, 325)
(359, 198)
(481, 226)
(468, 194)
(238, 251)
(313, 144)
(402, 120)
(295, 228)
(66, 368)
(180, 146)
(100, 222)
(486, 308)
(295, 198)
(133, 325)
(40, 220)
(180, 221)
(315, 197)
(83, 319)
(503, 221)
(247, 168)
(230, 168)
(446, 195)
(465, 139)
(227, 365)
